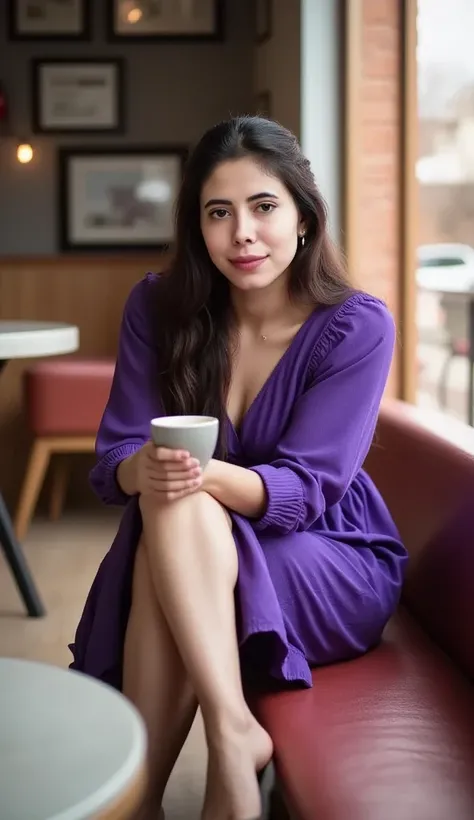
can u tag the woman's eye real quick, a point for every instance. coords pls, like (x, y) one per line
(219, 213)
(267, 207)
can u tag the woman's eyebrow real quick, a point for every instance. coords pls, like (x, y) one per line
(261, 195)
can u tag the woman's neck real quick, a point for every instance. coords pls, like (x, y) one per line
(259, 310)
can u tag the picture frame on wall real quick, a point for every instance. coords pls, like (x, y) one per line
(170, 20)
(113, 199)
(263, 20)
(77, 95)
(49, 19)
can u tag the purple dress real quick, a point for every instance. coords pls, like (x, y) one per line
(320, 573)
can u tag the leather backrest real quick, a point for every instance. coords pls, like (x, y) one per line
(423, 464)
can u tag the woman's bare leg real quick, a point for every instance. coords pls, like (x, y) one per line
(156, 681)
(194, 567)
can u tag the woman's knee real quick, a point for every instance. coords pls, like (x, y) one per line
(211, 506)
(197, 517)
(200, 503)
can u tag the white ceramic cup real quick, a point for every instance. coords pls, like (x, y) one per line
(196, 434)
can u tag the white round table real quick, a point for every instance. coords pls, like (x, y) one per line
(70, 747)
(24, 340)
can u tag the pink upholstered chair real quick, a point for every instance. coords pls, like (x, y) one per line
(65, 399)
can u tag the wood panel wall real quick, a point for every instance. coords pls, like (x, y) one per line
(86, 291)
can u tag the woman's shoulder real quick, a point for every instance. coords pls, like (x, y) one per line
(139, 312)
(361, 320)
(145, 286)
(360, 308)
(141, 295)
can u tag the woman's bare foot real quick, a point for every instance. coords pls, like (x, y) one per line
(235, 757)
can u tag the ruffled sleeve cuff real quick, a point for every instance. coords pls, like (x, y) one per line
(285, 499)
(103, 476)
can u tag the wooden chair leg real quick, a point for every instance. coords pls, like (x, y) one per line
(58, 486)
(35, 473)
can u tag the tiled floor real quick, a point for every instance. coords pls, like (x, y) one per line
(64, 558)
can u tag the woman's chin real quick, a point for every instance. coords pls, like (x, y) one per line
(252, 281)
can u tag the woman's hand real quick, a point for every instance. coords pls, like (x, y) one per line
(166, 474)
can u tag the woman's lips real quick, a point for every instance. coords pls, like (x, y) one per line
(248, 262)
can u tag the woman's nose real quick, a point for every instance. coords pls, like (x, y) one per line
(244, 230)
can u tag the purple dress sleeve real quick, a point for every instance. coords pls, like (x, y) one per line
(133, 399)
(333, 422)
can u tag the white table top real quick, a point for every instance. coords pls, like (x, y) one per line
(444, 284)
(69, 745)
(22, 340)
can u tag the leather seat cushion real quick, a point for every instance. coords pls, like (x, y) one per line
(67, 396)
(426, 476)
(387, 736)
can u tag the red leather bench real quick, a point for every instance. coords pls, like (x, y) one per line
(391, 735)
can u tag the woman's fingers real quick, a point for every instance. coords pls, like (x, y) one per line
(173, 465)
(171, 474)
(178, 485)
(166, 477)
(164, 454)
(170, 491)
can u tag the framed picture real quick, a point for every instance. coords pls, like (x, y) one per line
(77, 95)
(263, 20)
(49, 19)
(171, 20)
(116, 198)
(263, 104)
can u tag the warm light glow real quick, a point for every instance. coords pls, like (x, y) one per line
(24, 153)
(134, 15)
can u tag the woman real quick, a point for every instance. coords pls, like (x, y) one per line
(280, 555)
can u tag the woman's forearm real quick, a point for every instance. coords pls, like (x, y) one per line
(127, 475)
(236, 488)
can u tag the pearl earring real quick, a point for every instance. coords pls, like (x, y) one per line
(302, 240)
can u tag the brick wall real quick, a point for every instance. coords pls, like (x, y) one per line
(379, 162)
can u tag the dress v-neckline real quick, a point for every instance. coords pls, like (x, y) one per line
(237, 431)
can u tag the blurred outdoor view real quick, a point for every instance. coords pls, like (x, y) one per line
(445, 171)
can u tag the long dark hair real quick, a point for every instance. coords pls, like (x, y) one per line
(194, 313)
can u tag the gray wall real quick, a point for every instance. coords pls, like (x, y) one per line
(300, 66)
(173, 93)
(321, 101)
(278, 64)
